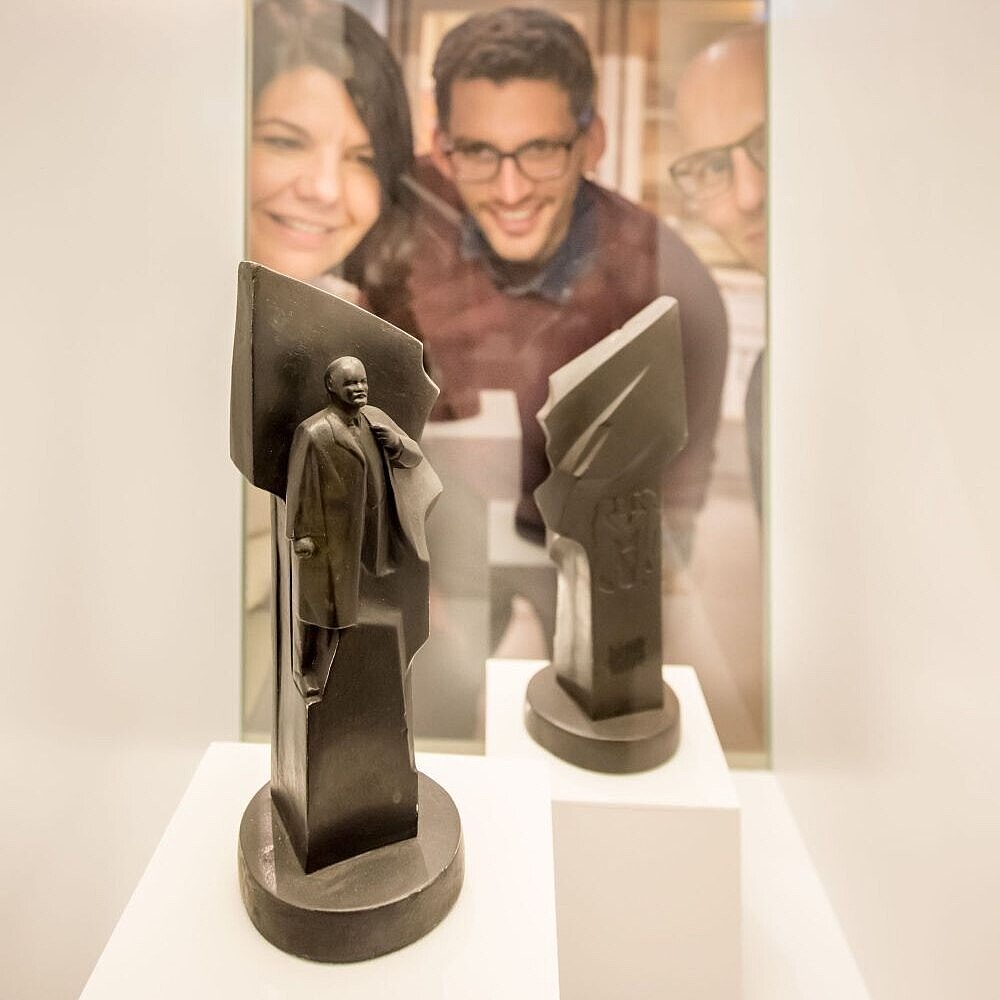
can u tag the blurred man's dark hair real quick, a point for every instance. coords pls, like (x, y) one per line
(516, 43)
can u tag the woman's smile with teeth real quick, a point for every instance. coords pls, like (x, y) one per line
(301, 225)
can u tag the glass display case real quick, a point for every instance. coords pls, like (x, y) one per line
(713, 597)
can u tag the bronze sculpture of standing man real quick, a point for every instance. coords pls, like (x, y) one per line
(348, 852)
(341, 515)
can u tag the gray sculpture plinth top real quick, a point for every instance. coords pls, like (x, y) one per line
(328, 403)
(614, 417)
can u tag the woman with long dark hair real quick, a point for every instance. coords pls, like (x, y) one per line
(330, 144)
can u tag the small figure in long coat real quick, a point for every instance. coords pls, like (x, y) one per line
(343, 513)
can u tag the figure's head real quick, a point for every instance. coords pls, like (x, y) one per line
(347, 383)
(330, 140)
(516, 81)
(721, 108)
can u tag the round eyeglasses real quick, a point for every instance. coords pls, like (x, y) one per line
(708, 172)
(538, 160)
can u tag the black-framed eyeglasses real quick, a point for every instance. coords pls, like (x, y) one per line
(538, 160)
(708, 172)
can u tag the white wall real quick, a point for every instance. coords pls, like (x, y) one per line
(121, 190)
(885, 476)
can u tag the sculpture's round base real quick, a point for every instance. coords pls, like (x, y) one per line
(620, 745)
(358, 908)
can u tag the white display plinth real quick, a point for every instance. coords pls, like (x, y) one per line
(647, 865)
(483, 451)
(185, 935)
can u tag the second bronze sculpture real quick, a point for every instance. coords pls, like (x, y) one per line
(349, 852)
(614, 417)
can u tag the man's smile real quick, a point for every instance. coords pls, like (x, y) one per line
(516, 221)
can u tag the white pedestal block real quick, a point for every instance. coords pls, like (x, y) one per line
(185, 935)
(484, 450)
(647, 865)
(520, 568)
(478, 460)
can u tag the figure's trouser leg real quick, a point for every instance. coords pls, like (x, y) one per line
(314, 649)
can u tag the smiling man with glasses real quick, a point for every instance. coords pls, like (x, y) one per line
(516, 153)
(522, 262)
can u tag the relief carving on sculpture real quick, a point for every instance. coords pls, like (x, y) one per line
(625, 532)
(349, 852)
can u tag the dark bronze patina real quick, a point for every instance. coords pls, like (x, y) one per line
(614, 417)
(334, 864)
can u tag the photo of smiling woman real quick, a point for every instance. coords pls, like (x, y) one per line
(330, 142)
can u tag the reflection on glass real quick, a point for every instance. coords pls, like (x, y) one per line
(710, 172)
(642, 51)
(537, 160)
(330, 145)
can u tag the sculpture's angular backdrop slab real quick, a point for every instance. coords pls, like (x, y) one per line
(615, 417)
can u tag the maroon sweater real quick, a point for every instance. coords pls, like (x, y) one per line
(479, 337)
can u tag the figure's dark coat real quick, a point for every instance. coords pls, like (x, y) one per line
(326, 502)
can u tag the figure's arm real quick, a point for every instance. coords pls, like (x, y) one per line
(304, 547)
(303, 515)
(400, 449)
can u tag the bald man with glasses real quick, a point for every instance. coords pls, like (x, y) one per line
(721, 108)
(522, 262)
